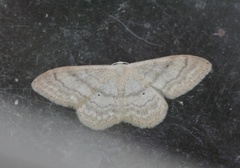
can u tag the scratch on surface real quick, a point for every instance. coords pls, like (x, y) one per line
(138, 37)
(189, 133)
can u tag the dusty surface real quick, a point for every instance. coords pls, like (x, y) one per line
(202, 128)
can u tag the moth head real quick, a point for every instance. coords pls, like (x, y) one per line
(120, 63)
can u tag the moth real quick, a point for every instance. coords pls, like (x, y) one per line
(105, 95)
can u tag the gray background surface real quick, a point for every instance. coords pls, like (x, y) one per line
(202, 128)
